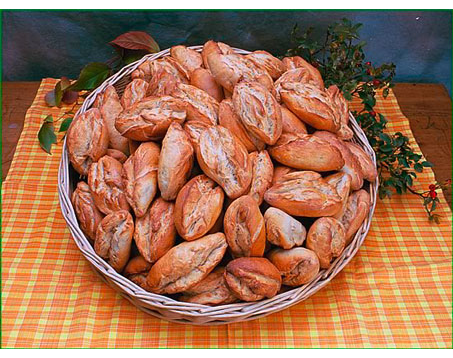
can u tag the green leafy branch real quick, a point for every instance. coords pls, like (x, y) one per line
(341, 60)
(129, 47)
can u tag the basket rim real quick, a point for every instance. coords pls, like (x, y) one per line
(187, 312)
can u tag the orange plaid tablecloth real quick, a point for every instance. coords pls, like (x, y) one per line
(397, 291)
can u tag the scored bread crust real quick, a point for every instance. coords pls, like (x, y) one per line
(342, 183)
(283, 230)
(357, 209)
(298, 62)
(202, 79)
(367, 166)
(262, 172)
(292, 124)
(186, 57)
(344, 132)
(134, 92)
(214, 47)
(271, 64)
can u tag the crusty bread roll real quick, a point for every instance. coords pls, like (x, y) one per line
(351, 164)
(107, 186)
(298, 62)
(367, 166)
(252, 278)
(87, 140)
(244, 228)
(155, 232)
(162, 83)
(170, 65)
(230, 120)
(175, 161)
(357, 209)
(258, 110)
(186, 57)
(194, 130)
(229, 70)
(134, 92)
(214, 47)
(186, 264)
(306, 152)
(88, 214)
(271, 64)
(300, 75)
(311, 105)
(202, 79)
(283, 230)
(342, 184)
(140, 177)
(224, 159)
(297, 266)
(136, 270)
(326, 237)
(150, 118)
(292, 124)
(304, 194)
(198, 206)
(110, 110)
(344, 133)
(114, 238)
(212, 290)
(262, 172)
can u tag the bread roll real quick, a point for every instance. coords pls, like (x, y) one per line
(252, 278)
(214, 47)
(311, 105)
(162, 83)
(194, 130)
(244, 228)
(298, 62)
(198, 206)
(357, 209)
(224, 159)
(202, 79)
(344, 133)
(351, 164)
(88, 214)
(292, 124)
(171, 66)
(211, 291)
(342, 184)
(175, 161)
(229, 70)
(304, 194)
(186, 264)
(280, 171)
(87, 140)
(136, 270)
(300, 75)
(110, 110)
(155, 232)
(117, 154)
(140, 177)
(283, 230)
(366, 164)
(114, 238)
(297, 266)
(262, 172)
(201, 107)
(306, 152)
(106, 185)
(230, 120)
(150, 118)
(134, 92)
(186, 57)
(326, 238)
(143, 71)
(258, 110)
(271, 64)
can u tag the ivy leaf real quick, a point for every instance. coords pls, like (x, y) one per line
(427, 164)
(46, 135)
(136, 40)
(387, 148)
(91, 76)
(58, 94)
(65, 125)
(418, 167)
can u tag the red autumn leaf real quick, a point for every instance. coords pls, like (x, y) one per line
(136, 40)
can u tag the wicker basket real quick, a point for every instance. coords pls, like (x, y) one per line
(181, 312)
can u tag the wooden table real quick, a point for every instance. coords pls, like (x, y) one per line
(428, 107)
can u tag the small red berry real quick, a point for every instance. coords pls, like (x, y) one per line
(376, 83)
(368, 72)
(368, 63)
(432, 187)
(373, 113)
(432, 194)
(448, 181)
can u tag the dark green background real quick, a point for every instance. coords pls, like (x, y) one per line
(40, 44)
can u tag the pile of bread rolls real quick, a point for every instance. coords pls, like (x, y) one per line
(219, 177)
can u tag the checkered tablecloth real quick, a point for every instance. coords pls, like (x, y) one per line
(396, 292)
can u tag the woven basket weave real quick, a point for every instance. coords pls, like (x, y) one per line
(182, 312)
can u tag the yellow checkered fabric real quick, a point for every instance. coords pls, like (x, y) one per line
(396, 292)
